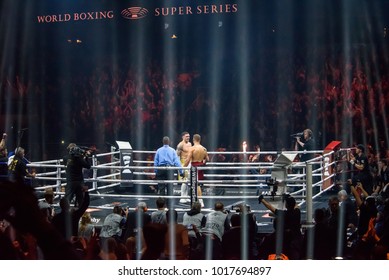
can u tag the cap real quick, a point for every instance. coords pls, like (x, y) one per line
(361, 147)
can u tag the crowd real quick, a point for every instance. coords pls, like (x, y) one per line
(355, 226)
(326, 88)
(329, 91)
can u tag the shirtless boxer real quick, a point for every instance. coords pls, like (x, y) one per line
(182, 151)
(197, 156)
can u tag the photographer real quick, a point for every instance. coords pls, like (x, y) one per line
(75, 161)
(114, 224)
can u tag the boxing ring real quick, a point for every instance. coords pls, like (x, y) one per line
(233, 182)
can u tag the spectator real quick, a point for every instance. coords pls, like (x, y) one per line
(67, 220)
(248, 224)
(239, 242)
(133, 227)
(28, 219)
(136, 220)
(3, 158)
(131, 248)
(367, 213)
(154, 235)
(232, 240)
(86, 229)
(108, 249)
(337, 227)
(288, 227)
(382, 175)
(321, 241)
(176, 238)
(349, 208)
(46, 205)
(159, 216)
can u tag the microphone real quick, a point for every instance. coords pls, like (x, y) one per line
(299, 134)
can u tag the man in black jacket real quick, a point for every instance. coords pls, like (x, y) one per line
(75, 161)
(308, 144)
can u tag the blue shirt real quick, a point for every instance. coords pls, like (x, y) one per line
(167, 156)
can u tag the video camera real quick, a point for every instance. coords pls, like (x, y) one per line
(273, 183)
(77, 151)
(241, 208)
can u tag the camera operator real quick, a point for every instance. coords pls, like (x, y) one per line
(75, 161)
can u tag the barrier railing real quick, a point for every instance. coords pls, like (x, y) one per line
(251, 178)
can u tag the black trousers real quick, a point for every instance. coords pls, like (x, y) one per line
(165, 188)
(74, 188)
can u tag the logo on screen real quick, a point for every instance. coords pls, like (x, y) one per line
(134, 13)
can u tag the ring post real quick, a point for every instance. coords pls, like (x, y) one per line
(126, 160)
(193, 184)
(309, 223)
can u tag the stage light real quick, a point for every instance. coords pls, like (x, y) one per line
(174, 36)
